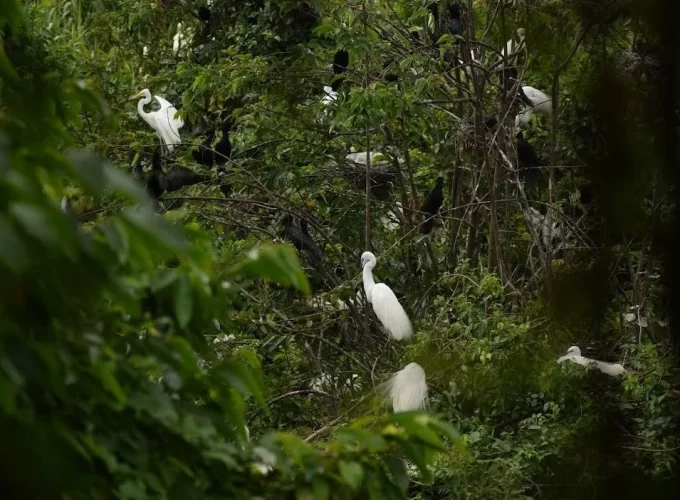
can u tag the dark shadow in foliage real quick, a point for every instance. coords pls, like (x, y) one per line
(528, 161)
(632, 150)
(433, 202)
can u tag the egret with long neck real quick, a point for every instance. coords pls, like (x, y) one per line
(162, 121)
(385, 303)
(574, 355)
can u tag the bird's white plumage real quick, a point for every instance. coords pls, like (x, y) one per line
(330, 95)
(385, 303)
(181, 39)
(512, 46)
(163, 121)
(391, 221)
(541, 104)
(408, 389)
(574, 355)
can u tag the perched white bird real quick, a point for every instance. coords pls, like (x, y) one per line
(181, 40)
(330, 95)
(378, 159)
(540, 103)
(512, 47)
(391, 221)
(408, 389)
(162, 121)
(574, 355)
(145, 51)
(385, 304)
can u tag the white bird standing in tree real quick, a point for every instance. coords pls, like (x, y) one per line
(385, 304)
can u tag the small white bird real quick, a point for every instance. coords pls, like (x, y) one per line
(512, 47)
(330, 95)
(390, 221)
(181, 40)
(408, 389)
(574, 355)
(385, 304)
(145, 51)
(163, 121)
(540, 103)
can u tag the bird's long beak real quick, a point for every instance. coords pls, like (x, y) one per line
(136, 96)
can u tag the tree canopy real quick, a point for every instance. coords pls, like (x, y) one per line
(182, 314)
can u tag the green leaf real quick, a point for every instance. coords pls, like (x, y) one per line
(47, 225)
(106, 373)
(275, 262)
(12, 250)
(99, 175)
(416, 424)
(183, 301)
(397, 468)
(240, 377)
(320, 489)
(352, 473)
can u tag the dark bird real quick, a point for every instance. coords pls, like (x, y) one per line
(528, 160)
(389, 76)
(433, 202)
(150, 180)
(204, 154)
(156, 182)
(178, 177)
(301, 239)
(223, 146)
(204, 13)
(490, 122)
(340, 65)
(455, 24)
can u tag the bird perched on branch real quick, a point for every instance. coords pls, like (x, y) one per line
(340, 64)
(165, 121)
(207, 156)
(204, 154)
(156, 182)
(455, 24)
(223, 146)
(302, 240)
(433, 202)
(181, 40)
(528, 159)
(535, 101)
(385, 303)
(574, 355)
(408, 389)
(510, 53)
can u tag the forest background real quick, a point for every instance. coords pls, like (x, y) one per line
(187, 351)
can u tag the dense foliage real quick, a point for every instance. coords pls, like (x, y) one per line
(184, 349)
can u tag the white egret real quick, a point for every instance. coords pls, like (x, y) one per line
(378, 159)
(512, 48)
(574, 355)
(408, 389)
(163, 121)
(181, 40)
(540, 103)
(385, 304)
(391, 221)
(145, 51)
(330, 95)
